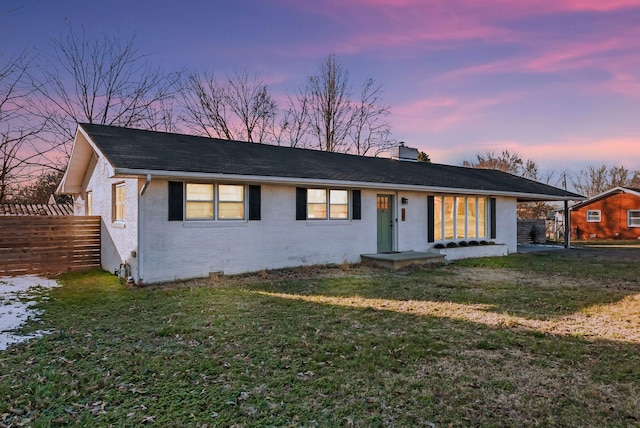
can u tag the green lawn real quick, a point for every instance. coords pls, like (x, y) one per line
(535, 340)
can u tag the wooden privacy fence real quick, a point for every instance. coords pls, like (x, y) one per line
(48, 244)
(534, 231)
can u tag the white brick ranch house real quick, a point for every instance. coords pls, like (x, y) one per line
(178, 206)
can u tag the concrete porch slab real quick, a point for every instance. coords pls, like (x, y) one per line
(395, 261)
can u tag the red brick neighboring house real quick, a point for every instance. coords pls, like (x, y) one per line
(614, 214)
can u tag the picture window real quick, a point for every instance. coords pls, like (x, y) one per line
(460, 217)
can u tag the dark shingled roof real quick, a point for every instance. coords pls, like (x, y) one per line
(134, 149)
(35, 209)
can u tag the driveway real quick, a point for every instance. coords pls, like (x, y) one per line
(534, 248)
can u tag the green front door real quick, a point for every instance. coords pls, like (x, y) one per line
(385, 223)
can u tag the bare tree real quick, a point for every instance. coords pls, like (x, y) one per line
(326, 110)
(252, 104)
(41, 189)
(514, 164)
(506, 162)
(331, 108)
(20, 156)
(619, 176)
(370, 131)
(597, 179)
(294, 123)
(205, 109)
(591, 181)
(103, 80)
(237, 108)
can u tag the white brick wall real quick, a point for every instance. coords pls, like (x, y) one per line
(507, 223)
(174, 250)
(184, 249)
(118, 238)
(412, 233)
(179, 250)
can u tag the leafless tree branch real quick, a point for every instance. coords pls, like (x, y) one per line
(238, 108)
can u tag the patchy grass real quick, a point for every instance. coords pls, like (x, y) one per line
(542, 340)
(604, 242)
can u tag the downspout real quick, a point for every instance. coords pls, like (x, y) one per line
(140, 234)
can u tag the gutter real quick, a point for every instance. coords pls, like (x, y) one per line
(127, 172)
(139, 253)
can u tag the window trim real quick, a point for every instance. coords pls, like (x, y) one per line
(599, 215)
(123, 204)
(440, 205)
(211, 202)
(635, 218)
(216, 203)
(328, 204)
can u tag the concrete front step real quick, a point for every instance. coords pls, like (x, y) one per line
(395, 261)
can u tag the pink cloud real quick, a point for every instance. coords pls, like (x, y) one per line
(410, 24)
(563, 57)
(615, 56)
(570, 153)
(435, 115)
(596, 5)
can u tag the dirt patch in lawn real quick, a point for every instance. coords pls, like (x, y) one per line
(285, 274)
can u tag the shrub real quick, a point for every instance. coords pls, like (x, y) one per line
(473, 243)
(463, 243)
(483, 242)
(492, 243)
(439, 246)
(452, 245)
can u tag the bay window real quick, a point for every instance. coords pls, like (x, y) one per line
(460, 217)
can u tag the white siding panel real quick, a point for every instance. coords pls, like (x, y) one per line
(412, 233)
(507, 223)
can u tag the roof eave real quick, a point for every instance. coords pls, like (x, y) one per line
(82, 150)
(294, 181)
(605, 194)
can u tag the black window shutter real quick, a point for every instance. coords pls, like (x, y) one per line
(254, 202)
(176, 192)
(356, 205)
(301, 203)
(430, 219)
(492, 210)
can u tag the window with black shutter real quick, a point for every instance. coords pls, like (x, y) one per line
(254, 202)
(176, 196)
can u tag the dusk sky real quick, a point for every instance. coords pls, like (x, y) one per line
(557, 81)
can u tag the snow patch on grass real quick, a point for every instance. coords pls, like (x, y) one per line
(17, 300)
